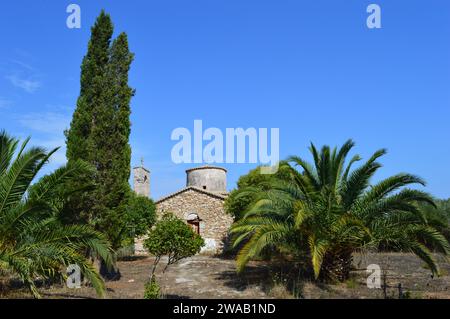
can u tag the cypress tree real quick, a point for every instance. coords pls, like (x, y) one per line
(79, 138)
(113, 135)
(92, 95)
(100, 130)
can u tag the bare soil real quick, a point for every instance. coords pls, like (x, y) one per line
(213, 277)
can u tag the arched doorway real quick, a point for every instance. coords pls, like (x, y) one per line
(194, 220)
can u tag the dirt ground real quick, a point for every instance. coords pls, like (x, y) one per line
(212, 277)
(195, 277)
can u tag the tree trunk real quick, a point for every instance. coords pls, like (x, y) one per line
(112, 274)
(336, 266)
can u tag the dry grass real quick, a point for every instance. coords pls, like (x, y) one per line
(280, 291)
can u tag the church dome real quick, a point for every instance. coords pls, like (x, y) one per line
(209, 178)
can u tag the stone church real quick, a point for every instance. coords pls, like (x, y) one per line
(199, 204)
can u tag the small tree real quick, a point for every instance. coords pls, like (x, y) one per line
(139, 217)
(240, 199)
(173, 238)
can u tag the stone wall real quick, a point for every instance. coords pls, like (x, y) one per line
(215, 222)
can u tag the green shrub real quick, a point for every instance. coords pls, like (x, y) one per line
(352, 283)
(125, 252)
(152, 289)
(173, 238)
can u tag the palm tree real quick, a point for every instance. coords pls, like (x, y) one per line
(34, 243)
(327, 211)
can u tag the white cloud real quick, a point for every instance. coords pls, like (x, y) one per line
(4, 103)
(23, 75)
(59, 157)
(49, 122)
(23, 53)
(27, 84)
(49, 128)
(60, 108)
(23, 65)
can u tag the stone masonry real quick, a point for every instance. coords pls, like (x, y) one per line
(214, 224)
(202, 200)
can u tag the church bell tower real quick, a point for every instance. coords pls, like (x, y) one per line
(141, 180)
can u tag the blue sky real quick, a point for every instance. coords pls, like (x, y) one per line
(310, 68)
